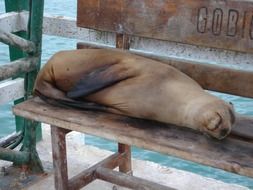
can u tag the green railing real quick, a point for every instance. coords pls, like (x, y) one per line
(25, 56)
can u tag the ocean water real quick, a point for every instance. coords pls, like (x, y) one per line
(53, 44)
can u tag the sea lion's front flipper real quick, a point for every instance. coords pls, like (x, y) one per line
(97, 79)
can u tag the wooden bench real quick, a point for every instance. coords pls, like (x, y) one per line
(196, 22)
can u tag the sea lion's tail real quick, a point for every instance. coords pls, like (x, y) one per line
(85, 105)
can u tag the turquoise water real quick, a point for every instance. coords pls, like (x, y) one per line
(53, 44)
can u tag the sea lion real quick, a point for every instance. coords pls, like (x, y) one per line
(131, 85)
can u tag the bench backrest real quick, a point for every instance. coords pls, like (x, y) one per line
(218, 24)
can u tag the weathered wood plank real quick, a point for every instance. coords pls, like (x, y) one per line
(231, 154)
(123, 42)
(87, 176)
(126, 165)
(214, 77)
(244, 128)
(59, 158)
(210, 77)
(129, 181)
(220, 24)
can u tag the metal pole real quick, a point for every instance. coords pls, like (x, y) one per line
(14, 156)
(32, 127)
(16, 41)
(14, 68)
(35, 35)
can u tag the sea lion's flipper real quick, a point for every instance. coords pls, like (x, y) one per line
(98, 79)
(86, 105)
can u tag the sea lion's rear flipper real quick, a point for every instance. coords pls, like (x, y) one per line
(86, 105)
(97, 79)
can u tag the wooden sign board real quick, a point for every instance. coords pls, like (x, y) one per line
(213, 23)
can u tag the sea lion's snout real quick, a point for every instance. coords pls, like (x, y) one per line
(218, 123)
(218, 126)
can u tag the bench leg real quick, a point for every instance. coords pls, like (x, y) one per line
(59, 158)
(125, 166)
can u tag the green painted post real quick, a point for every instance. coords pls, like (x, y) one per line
(15, 53)
(29, 145)
(34, 34)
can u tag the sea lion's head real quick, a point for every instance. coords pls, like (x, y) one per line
(216, 119)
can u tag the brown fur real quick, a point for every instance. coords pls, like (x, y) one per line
(147, 89)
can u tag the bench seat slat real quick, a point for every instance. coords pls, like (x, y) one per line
(230, 154)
